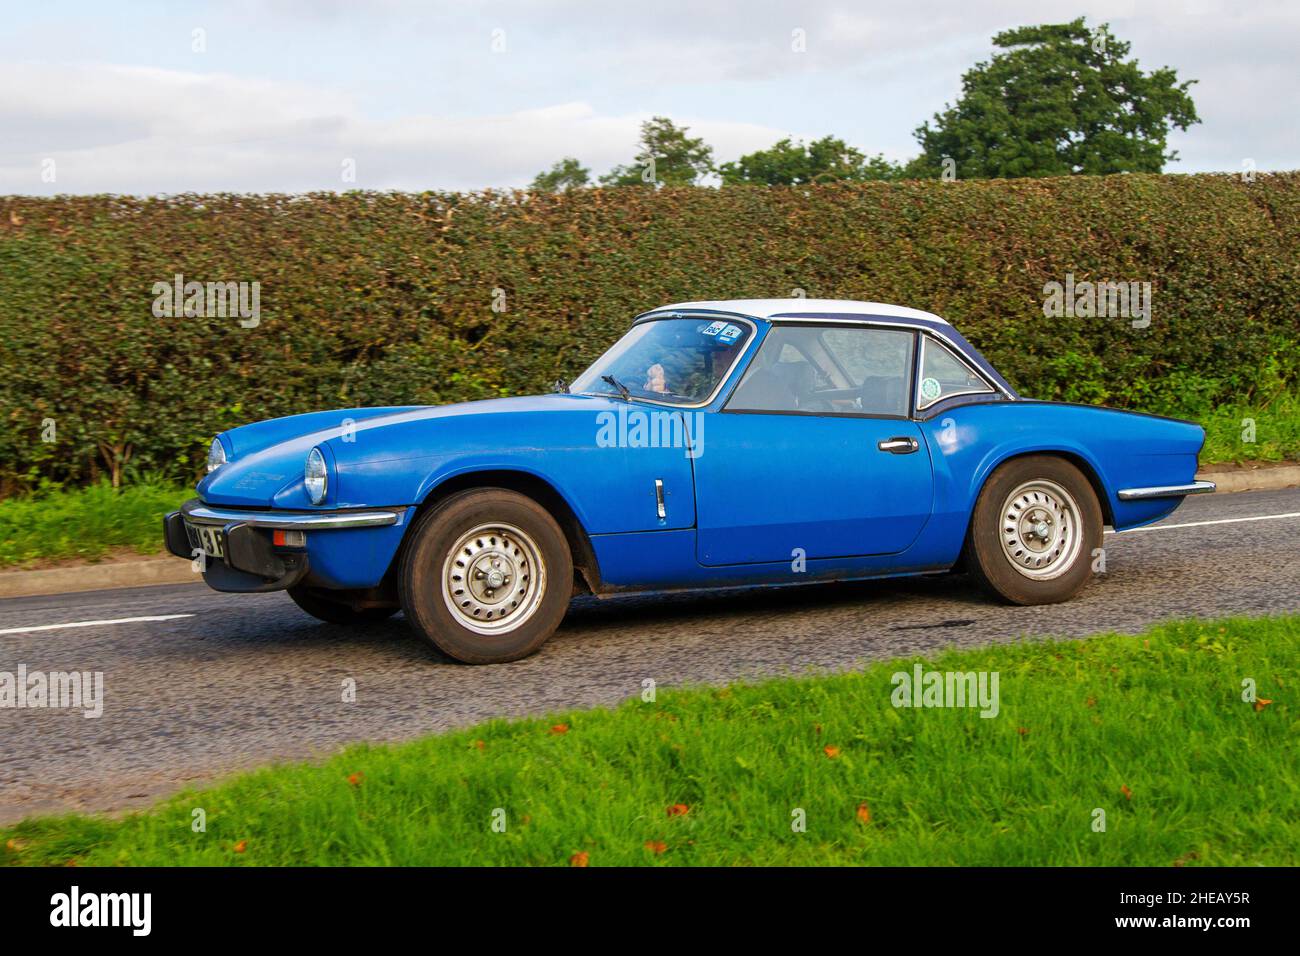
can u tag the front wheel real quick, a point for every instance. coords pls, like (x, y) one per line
(487, 576)
(1036, 526)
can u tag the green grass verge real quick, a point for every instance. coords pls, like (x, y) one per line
(86, 523)
(1151, 729)
(1276, 431)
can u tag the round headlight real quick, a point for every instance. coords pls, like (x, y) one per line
(216, 455)
(314, 477)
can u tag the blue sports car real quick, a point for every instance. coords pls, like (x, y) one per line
(716, 444)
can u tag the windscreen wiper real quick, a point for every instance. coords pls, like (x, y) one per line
(622, 389)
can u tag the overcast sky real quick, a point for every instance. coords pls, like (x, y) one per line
(279, 95)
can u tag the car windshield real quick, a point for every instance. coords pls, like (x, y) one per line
(680, 361)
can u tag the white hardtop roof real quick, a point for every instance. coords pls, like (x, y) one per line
(767, 308)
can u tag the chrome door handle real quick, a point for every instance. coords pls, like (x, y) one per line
(899, 446)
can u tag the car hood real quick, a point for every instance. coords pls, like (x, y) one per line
(266, 458)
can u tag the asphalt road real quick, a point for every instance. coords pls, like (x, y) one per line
(243, 680)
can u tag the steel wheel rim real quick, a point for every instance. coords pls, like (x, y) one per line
(493, 579)
(1040, 529)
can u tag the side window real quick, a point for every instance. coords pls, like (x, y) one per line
(943, 375)
(877, 363)
(842, 370)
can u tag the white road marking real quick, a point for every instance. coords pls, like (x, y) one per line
(120, 620)
(1200, 524)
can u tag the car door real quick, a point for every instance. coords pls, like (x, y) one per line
(815, 453)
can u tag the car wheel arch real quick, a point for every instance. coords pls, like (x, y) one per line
(532, 486)
(1079, 461)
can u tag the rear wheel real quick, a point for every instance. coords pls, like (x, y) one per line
(1035, 527)
(337, 612)
(487, 576)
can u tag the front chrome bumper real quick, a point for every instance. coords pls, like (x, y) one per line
(246, 557)
(1166, 491)
(196, 512)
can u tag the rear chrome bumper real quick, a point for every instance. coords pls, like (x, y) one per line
(196, 512)
(1166, 491)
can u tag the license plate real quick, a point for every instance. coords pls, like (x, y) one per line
(207, 539)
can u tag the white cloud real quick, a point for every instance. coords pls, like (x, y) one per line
(132, 130)
(413, 94)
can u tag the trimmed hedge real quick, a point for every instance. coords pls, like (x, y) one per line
(386, 298)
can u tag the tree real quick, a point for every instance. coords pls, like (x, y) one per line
(792, 164)
(1060, 100)
(667, 156)
(567, 174)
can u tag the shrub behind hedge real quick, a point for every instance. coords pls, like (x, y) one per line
(383, 298)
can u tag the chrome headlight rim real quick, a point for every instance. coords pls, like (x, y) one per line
(315, 476)
(216, 455)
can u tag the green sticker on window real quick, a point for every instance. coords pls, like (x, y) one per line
(930, 389)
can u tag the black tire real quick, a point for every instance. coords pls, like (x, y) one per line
(1037, 548)
(449, 550)
(337, 612)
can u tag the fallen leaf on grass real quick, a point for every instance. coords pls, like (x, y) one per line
(864, 813)
(241, 846)
(678, 810)
(560, 729)
(354, 778)
(1128, 794)
(578, 859)
(656, 846)
(1261, 703)
(831, 751)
